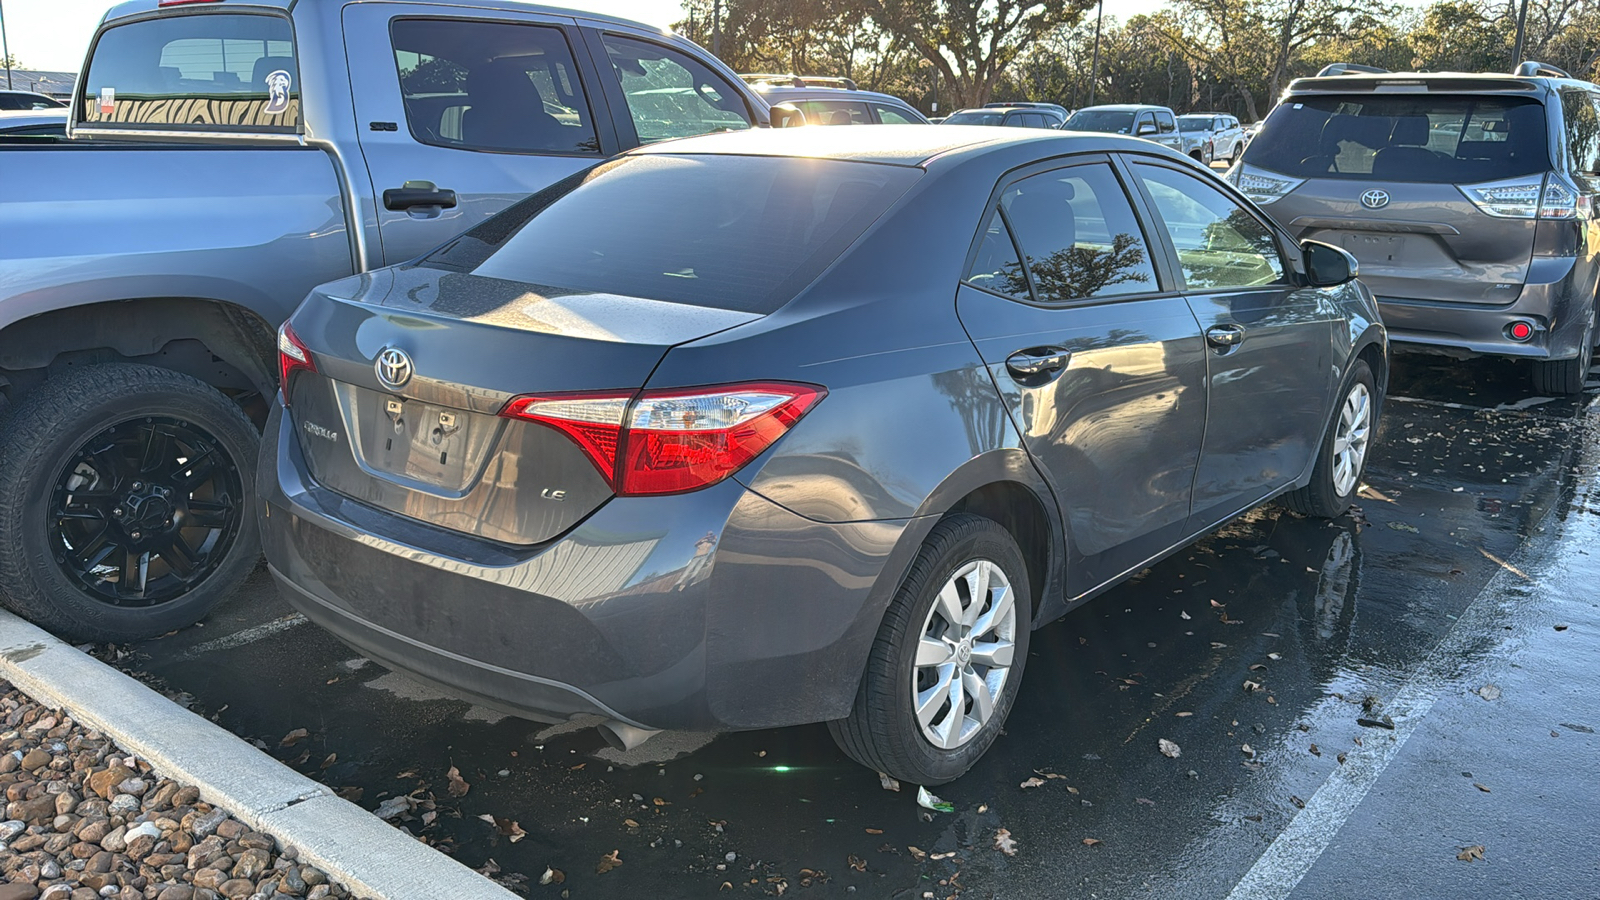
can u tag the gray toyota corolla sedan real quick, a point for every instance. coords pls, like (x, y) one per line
(806, 425)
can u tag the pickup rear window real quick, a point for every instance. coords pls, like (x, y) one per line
(224, 72)
(743, 233)
(1433, 139)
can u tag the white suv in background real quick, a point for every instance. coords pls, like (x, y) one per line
(1227, 136)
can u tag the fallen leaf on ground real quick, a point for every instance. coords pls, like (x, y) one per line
(856, 862)
(1216, 605)
(607, 863)
(916, 853)
(505, 826)
(1092, 842)
(1033, 783)
(1340, 758)
(927, 800)
(394, 807)
(457, 785)
(1468, 854)
(293, 737)
(1316, 752)
(1144, 801)
(552, 876)
(1381, 722)
(945, 855)
(1489, 692)
(1258, 667)
(874, 831)
(1298, 803)
(1184, 616)
(332, 758)
(1247, 750)
(1004, 842)
(1561, 628)
(1481, 787)
(630, 823)
(1169, 749)
(1274, 656)
(660, 802)
(1252, 686)
(889, 784)
(1183, 715)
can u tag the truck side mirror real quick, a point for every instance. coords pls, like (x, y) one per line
(1145, 128)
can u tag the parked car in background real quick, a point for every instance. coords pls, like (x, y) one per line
(840, 106)
(1055, 107)
(1467, 199)
(755, 468)
(224, 159)
(1197, 144)
(41, 123)
(1008, 116)
(27, 100)
(1223, 130)
(1154, 123)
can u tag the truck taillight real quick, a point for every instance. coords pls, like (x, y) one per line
(292, 357)
(671, 441)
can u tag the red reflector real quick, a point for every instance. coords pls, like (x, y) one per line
(1521, 331)
(671, 441)
(292, 357)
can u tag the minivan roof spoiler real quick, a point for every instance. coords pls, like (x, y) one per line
(1531, 68)
(1342, 68)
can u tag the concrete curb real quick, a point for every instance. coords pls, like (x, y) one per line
(353, 846)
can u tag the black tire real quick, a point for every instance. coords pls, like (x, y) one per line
(882, 732)
(1322, 497)
(1564, 377)
(48, 436)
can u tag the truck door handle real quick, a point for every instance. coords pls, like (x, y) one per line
(418, 193)
(1225, 337)
(1037, 361)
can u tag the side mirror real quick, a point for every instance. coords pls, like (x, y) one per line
(1327, 265)
(787, 115)
(1145, 128)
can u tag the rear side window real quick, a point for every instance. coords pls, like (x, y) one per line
(741, 233)
(202, 72)
(1079, 235)
(834, 112)
(672, 95)
(492, 86)
(1582, 131)
(1165, 123)
(1436, 139)
(975, 118)
(888, 115)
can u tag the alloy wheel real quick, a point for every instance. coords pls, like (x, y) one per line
(964, 654)
(1351, 439)
(144, 511)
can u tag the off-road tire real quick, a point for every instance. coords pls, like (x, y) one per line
(1321, 498)
(881, 731)
(43, 431)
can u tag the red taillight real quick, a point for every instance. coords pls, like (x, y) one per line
(292, 357)
(671, 441)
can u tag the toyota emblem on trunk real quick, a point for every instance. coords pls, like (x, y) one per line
(394, 368)
(1375, 199)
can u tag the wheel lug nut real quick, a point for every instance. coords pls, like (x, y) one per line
(136, 535)
(137, 485)
(117, 511)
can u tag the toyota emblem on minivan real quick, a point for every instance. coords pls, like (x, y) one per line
(1375, 199)
(394, 368)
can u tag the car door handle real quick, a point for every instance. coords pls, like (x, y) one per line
(418, 193)
(1037, 361)
(1225, 336)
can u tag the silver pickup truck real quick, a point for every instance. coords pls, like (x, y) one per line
(223, 157)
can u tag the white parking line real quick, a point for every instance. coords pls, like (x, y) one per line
(1289, 857)
(240, 638)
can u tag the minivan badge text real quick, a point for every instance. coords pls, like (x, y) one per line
(1375, 199)
(394, 368)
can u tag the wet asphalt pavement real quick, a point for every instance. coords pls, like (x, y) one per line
(1470, 569)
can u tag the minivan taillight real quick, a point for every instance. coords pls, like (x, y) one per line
(292, 357)
(1536, 197)
(671, 441)
(1259, 185)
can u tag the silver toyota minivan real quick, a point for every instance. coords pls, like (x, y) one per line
(1467, 199)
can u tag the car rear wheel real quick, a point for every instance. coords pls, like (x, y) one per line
(1566, 376)
(943, 673)
(1345, 448)
(125, 502)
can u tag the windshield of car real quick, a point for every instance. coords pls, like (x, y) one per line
(975, 118)
(1436, 139)
(742, 233)
(1194, 123)
(1110, 121)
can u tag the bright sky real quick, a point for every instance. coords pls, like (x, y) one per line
(54, 34)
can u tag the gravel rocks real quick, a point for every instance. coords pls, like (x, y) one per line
(82, 820)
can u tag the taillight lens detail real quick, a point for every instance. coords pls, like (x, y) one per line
(1260, 186)
(292, 357)
(1526, 198)
(672, 441)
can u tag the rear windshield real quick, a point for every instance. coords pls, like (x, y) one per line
(1430, 139)
(1108, 121)
(975, 118)
(1194, 123)
(198, 72)
(742, 233)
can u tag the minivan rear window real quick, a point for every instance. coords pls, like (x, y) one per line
(1431, 139)
(743, 233)
(197, 72)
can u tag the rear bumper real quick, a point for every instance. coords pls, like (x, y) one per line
(716, 610)
(1559, 306)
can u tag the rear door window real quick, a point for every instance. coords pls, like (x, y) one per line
(888, 115)
(497, 86)
(835, 112)
(671, 94)
(1078, 235)
(227, 72)
(1582, 131)
(1165, 123)
(1436, 139)
(742, 233)
(1220, 244)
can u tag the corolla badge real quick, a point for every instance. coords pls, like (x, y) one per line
(394, 368)
(1375, 199)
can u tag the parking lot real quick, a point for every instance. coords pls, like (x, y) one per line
(1255, 651)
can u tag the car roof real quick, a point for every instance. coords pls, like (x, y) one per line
(905, 145)
(780, 93)
(134, 7)
(1449, 81)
